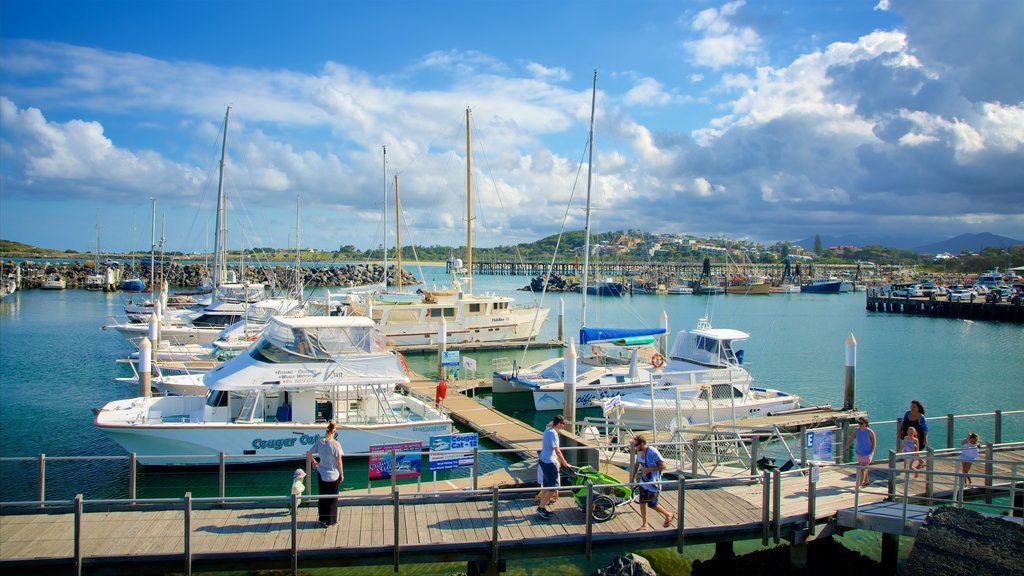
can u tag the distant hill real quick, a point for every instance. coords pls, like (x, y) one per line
(970, 242)
(11, 247)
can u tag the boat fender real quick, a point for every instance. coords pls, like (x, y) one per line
(658, 360)
(440, 393)
(405, 365)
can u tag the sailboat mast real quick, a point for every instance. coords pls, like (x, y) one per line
(586, 226)
(384, 243)
(97, 241)
(220, 263)
(469, 211)
(398, 239)
(152, 245)
(298, 254)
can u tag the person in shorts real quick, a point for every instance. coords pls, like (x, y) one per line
(550, 458)
(864, 448)
(649, 465)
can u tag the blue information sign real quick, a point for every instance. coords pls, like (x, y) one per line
(819, 444)
(452, 451)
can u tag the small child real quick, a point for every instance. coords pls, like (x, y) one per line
(968, 454)
(911, 444)
(298, 485)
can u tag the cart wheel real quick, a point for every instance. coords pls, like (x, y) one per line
(603, 508)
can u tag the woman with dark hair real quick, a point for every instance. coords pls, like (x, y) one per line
(325, 456)
(914, 418)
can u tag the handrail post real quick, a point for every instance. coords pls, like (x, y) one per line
(998, 433)
(222, 477)
(891, 484)
(295, 534)
(777, 506)
(395, 505)
(812, 495)
(78, 534)
(989, 455)
(694, 455)
(132, 477)
(188, 533)
(42, 479)
(949, 430)
(476, 465)
(494, 525)
(589, 539)
(755, 449)
(394, 468)
(681, 514)
(929, 463)
(766, 486)
(802, 431)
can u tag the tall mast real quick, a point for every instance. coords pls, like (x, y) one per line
(586, 226)
(152, 245)
(384, 244)
(220, 258)
(97, 241)
(398, 239)
(298, 254)
(469, 211)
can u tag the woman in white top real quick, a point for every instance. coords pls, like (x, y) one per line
(325, 456)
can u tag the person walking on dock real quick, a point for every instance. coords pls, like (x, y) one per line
(550, 458)
(914, 419)
(649, 465)
(968, 454)
(864, 448)
(325, 456)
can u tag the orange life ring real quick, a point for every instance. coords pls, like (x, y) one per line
(658, 360)
(595, 350)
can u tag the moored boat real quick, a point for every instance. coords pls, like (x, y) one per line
(271, 403)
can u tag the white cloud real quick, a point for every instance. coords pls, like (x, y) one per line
(540, 71)
(722, 43)
(647, 92)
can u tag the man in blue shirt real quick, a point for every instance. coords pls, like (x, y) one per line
(550, 458)
(649, 465)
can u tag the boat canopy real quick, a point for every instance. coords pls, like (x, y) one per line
(240, 292)
(323, 337)
(712, 347)
(591, 335)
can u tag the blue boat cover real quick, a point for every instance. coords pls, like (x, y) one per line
(589, 335)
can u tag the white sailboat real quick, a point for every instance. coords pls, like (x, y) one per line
(273, 403)
(96, 281)
(471, 318)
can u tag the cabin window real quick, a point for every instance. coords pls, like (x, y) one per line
(438, 312)
(217, 399)
(476, 308)
(500, 306)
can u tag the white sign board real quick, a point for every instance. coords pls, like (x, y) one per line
(819, 445)
(610, 404)
(469, 363)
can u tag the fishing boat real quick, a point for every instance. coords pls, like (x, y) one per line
(704, 362)
(11, 283)
(829, 285)
(273, 402)
(413, 320)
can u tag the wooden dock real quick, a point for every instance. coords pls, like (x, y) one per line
(482, 527)
(941, 307)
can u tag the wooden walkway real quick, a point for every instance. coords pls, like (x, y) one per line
(457, 526)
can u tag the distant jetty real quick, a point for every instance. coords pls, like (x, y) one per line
(180, 275)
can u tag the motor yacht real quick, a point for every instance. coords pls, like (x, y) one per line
(273, 402)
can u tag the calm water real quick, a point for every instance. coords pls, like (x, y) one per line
(56, 365)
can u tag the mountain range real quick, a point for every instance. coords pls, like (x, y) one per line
(954, 245)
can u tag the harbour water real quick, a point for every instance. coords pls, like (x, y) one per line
(56, 365)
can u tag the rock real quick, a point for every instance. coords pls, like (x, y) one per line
(958, 541)
(628, 565)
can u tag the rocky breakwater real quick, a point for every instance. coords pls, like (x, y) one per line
(555, 283)
(191, 275)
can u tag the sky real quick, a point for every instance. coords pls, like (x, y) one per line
(896, 122)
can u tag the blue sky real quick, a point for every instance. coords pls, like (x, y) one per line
(894, 121)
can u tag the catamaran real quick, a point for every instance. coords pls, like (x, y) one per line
(273, 402)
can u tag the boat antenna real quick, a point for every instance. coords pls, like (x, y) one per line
(469, 211)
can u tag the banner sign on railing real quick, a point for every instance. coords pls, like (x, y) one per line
(407, 460)
(443, 455)
(819, 445)
(469, 363)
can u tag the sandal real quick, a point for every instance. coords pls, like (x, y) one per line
(669, 521)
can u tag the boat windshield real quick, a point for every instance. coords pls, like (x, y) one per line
(240, 292)
(283, 344)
